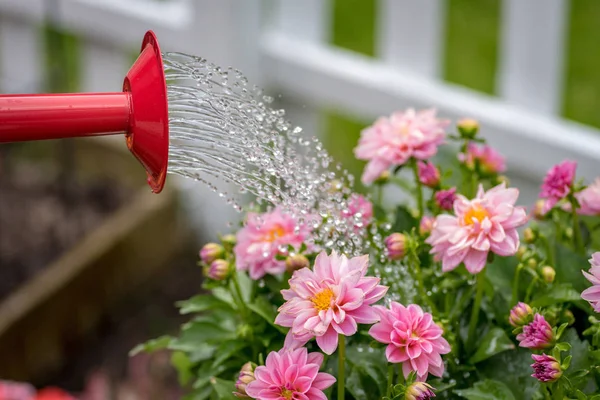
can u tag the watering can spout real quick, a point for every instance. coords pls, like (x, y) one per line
(140, 112)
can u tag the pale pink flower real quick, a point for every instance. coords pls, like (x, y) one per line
(489, 160)
(328, 301)
(487, 223)
(592, 294)
(290, 375)
(393, 141)
(429, 174)
(557, 183)
(537, 334)
(445, 198)
(413, 339)
(589, 199)
(359, 211)
(262, 238)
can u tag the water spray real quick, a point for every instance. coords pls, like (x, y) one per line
(140, 112)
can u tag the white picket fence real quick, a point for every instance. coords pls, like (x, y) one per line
(282, 45)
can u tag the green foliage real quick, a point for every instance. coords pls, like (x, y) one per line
(487, 390)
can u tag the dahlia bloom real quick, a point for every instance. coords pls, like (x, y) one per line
(359, 211)
(393, 141)
(489, 160)
(290, 374)
(557, 183)
(261, 239)
(328, 301)
(520, 314)
(445, 198)
(589, 199)
(487, 223)
(429, 174)
(536, 335)
(592, 294)
(545, 368)
(413, 339)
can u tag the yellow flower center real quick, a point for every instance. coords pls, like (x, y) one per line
(322, 300)
(475, 213)
(286, 394)
(274, 233)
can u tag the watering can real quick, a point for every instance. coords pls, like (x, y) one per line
(140, 111)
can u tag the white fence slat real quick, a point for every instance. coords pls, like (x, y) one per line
(307, 19)
(22, 57)
(531, 57)
(103, 67)
(410, 35)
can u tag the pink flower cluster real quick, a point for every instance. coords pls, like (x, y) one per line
(328, 301)
(592, 294)
(489, 160)
(260, 241)
(412, 339)
(393, 141)
(290, 374)
(487, 223)
(537, 335)
(557, 183)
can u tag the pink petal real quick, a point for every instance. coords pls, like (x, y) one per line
(395, 354)
(365, 315)
(328, 342)
(380, 332)
(323, 381)
(315, 394)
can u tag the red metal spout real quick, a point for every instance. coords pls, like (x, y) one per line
(140, 111)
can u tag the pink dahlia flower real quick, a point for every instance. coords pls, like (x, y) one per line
(359, 211)
(393, 141)
(545, 368)
(487, 223)
(536, 335)
(589, 199)
(429, 174)
(413, 339)
(290, 375)
(489, 160)
(445, 198)
(557, 183)
(261, 239)
(328, 301)
(592, 294)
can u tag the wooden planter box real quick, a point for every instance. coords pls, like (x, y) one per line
(43, 320)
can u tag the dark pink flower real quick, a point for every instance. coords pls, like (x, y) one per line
(290, 374)
(545, 368)
(445, 198)
(489, 160)
(328, 301)
(393, 141)
(592, 294)
(557, 183)
(429, 174)
(413, 339)
(536, 335)
(259, 242)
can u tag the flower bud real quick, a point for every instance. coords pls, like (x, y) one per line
(537, 334)
(426, 225)
(210, 252)
(546, 368)
(520, 314)
(229, 240)
(538, 209)
(532, 263)
(383, 178)
(395, 245)
(218, 270)
(295, 262)
(419, 391)
(429, 174)
(445, 198)
(568, 317)
(468, 127)
(529, 235)
(521, 252)
(244, 378)
(503, 179)
(548, 274)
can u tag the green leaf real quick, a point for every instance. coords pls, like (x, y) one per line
(245, 285)
(487, 390)
(266, 310)
(379, 212)
(223, 294)
(226, 350)
(183, 365)
(562, 293)
(198, 333)
(354, 385)
(494, 342)
(568, 267)
(151, 345)
(201, 302)
(223, 388)
(404, 220)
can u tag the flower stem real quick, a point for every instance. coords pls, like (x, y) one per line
(416, 267)
(238, 293)
(476, 308)
(515, 286)
(419, 190)
(390, 380)
(342, 365)
(578, 241)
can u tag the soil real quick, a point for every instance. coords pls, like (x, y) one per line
(45, 208)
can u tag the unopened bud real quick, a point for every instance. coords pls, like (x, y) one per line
(395, 246)
(229, 240)
(419, 391)
(568, 317)
(532, 263)
(218, 270)
(546, 368)
(548, 274)
(520, 314)
(521, 252)
(503, 179)
(210, 252)
(468, 127)
(383, 178)
(538, 209)
(529, 235)
(244, 378)
(426, 225)
(296, 262)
